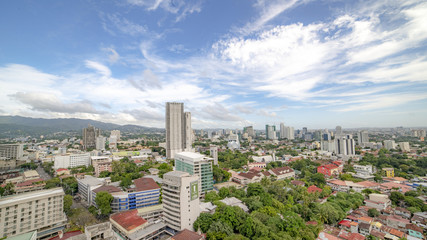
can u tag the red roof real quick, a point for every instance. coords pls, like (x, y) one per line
(345, 223)
(29, 182)
(282, 170)
(61, 169)
(107, 188)
(145, 184)
(313, 189)
(129, 219)
(356, 236)
(330, 166)
(67, 235)
(187, 235)
(298, 183)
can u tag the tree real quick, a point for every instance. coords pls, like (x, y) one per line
(219, 230)
(396, 197)
(52, 183)
(68, 201)
(103, 201)
(373, 212)
(212, 196)
(9, 189)
(203, 222)
(318, 179)
(126, 182)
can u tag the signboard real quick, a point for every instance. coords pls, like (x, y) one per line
(194, 190)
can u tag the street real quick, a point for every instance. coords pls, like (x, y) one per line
(42, 173)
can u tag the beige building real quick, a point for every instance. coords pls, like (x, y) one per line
(101, 164)
(180, 200)
(40, 210)
(178, 129)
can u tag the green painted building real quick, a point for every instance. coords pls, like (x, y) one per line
(196, 164)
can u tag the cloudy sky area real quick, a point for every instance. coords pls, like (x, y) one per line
(233, 63)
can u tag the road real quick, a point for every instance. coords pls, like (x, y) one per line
(42, 173)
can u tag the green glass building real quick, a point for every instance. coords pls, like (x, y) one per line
(196, 164)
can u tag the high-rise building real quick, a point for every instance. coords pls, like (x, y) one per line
(404, 146)
(196, 164)
(362, 137)
(40, 210)
(214, 154)
(250, 131)
(270, 132)
(338, 131)
(116, 133)
(100, 143)
(282, 131)
(344, 144)
(389, 144)
(178, 129)
(180, 197)
(89, 136)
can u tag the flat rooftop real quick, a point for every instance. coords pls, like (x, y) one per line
(8, 200)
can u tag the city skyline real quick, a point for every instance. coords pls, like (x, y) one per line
(232, 63)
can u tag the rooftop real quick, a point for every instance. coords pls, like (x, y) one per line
(90, 180)
(29, 196)
(145, 184)
(107, 188)
(187, 235)
(128, 220)
(25, 236)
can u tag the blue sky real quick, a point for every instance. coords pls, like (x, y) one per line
(314, 64)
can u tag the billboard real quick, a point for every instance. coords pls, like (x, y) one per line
(194, 190)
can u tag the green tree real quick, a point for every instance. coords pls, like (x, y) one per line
(396, 197)
(219, 230)
(373, 212)
(103, 200)
(68, 201)
(212, 196)
(52, 183)
(203, 222)
(126, 182)
(8, 189)
(318, 179)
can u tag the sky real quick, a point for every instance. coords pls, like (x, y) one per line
(233, 63)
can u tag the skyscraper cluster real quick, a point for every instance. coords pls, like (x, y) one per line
(178, 129)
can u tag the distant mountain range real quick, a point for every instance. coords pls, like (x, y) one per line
(15, 126)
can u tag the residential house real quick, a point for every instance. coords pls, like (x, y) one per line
(328, 170)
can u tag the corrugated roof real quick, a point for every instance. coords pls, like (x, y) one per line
(187, 235)
(145, 184)
(128, 220)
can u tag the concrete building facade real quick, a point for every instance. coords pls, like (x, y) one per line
(180, 192)
(40, 210)
(89, 136)
(178, 129)
(71, 160)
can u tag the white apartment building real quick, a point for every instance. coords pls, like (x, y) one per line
(180, 192)
(100, 143)
(344, 144)
(40, 210)
(389, 144)
(364, 172)
(11, 151)
(86, 185)
(71, 160)
(404, 146)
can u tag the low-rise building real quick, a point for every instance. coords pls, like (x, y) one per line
(388, 172)
(282, 173)
(187, 235)
(71, 160)
(328, 170)
(101, 164)
(378, 201)
(85, 187)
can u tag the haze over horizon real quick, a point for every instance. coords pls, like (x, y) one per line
(314, 64)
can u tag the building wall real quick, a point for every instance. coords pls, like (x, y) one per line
(12, 151)
(40, 210)
(174, 128)
(180, 200)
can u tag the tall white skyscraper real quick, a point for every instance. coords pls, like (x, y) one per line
(282, 131)
(344, 144)
(338, 131)
(178, 129)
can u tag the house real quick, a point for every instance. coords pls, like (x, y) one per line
(261, 165)
(129, 225)
(62, 172)
(364, 219)
(397, 233)
(187, 235)
(345, 224)
(313, 189)
(402, 212)
(388, 172)
(298, 183)
(364, 228)
(326, 236)
(395, 221)
(378, 201)
(282, 172)
(345, 186)
(328, 170)
(370, 185)
(235, 202)
(420, 219)
(252, 176)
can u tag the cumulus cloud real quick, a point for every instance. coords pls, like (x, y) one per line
(147, 80)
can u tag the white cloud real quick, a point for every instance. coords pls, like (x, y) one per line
(100, 68)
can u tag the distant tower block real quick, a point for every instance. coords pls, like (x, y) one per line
(214, 154)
